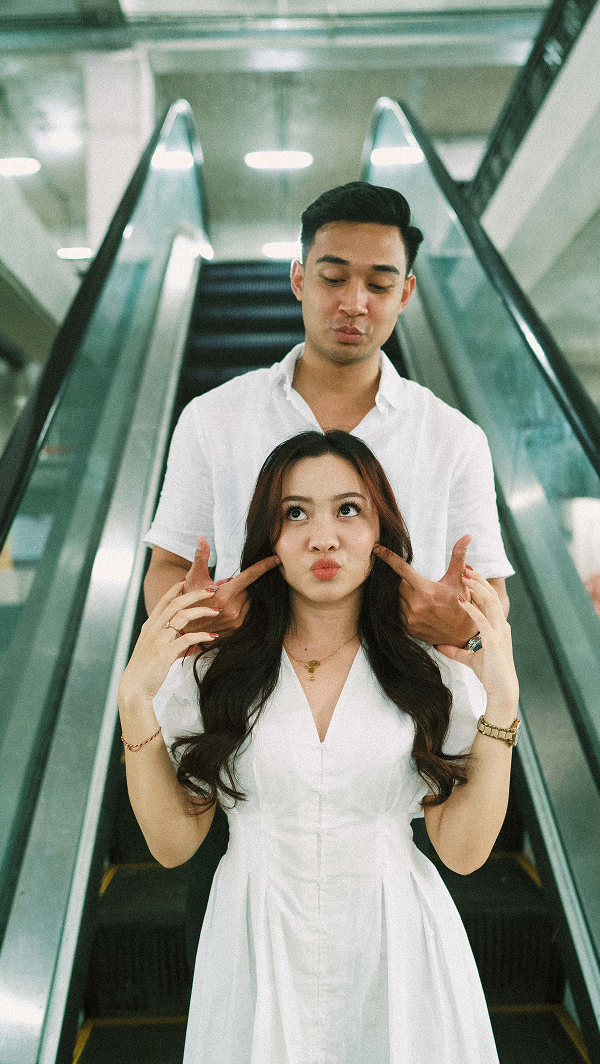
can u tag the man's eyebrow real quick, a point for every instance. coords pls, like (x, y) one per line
(342, 495)
(379, 268)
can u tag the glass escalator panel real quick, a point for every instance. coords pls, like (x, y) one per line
(49, 553)
(547, 481)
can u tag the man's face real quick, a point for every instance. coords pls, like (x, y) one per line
(352, 287)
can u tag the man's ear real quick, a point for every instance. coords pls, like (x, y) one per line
(409, 287)
(296, 278)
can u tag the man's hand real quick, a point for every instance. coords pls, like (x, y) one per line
(230, 597)
(431, 609)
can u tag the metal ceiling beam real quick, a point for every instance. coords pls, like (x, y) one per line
(103, 26)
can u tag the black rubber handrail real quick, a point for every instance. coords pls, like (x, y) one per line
(581, 413)
(21, 451)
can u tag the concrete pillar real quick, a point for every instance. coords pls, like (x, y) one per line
(552, 187)
(119, 94)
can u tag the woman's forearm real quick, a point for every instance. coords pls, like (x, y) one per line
(159, 802)
(464, 829)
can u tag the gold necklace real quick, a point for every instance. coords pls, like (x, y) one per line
(313, 664)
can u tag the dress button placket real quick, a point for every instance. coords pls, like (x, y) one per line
(321, 921)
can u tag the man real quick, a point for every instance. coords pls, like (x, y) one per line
(358, 247)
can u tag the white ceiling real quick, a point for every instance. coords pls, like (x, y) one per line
(251, 68)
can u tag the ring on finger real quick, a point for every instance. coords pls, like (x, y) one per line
(169, 625)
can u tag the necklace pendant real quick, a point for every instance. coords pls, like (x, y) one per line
(311, 666)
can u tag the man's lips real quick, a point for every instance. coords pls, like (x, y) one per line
(349, 334)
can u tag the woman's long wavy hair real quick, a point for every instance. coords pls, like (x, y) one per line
(245, 668)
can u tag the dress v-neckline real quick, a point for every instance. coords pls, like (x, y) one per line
(306, 702)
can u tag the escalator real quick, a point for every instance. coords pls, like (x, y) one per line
(93, 960)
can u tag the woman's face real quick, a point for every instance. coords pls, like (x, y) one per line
(329, 529)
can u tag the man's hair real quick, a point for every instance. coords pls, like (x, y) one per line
(360, 202)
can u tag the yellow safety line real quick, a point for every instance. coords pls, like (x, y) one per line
(135, 866)
(82, 1036)
(106, 878)
(521, 860)
(562, 1015)
(530, 868)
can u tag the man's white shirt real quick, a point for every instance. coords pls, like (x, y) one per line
(437, 461)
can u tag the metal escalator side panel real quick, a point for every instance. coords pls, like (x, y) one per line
(42, 934)
(471, 336)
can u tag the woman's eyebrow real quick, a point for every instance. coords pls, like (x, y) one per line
(307, 498)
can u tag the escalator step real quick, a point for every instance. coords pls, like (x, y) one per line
(138, 962)
(245, 291)
(251, 268)
(281, 318)
(146, 1040)
(538, 1034)
(258, 350)
(510, 930)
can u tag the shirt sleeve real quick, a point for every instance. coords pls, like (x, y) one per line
(473, 508)
(185, 508)
(176, 704)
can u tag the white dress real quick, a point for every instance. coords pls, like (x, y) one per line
(329, 938)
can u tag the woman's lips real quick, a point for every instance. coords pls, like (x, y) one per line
(324, 570)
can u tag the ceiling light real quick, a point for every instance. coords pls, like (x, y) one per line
(282, 249)
(404, 156)
(18, 167)
(74, 253)
(278, 160)
(172, 160)
(206, 250)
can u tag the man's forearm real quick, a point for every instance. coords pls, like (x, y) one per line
(165, 570)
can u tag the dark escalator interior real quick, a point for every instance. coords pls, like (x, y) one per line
(89, 922)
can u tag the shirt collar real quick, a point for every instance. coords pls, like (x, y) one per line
(390, 389)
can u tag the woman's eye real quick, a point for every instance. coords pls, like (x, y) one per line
(295, 513)
(349, 509)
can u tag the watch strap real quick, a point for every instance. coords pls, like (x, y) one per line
(508, 735)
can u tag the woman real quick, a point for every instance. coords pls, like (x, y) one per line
(323, 730)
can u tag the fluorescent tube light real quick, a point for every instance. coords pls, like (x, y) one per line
(278, 160)
(74, 253)
(18, 167)
(402, 156)
(172, 160)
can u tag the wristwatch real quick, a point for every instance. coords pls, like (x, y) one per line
(508, 735)
(474, 643)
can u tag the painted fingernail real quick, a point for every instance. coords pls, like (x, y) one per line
(214, 635)
(214, 609)
(211, 589)
(461, 599)
(469, 567)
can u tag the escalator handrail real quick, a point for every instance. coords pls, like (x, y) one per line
(579, 410)
(25, 441)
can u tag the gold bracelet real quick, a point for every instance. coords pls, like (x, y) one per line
(129, 746)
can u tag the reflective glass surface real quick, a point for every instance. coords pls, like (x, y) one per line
(549, 486)
(47, 559)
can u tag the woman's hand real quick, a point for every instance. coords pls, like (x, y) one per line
(493, 664)
(159, 645)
